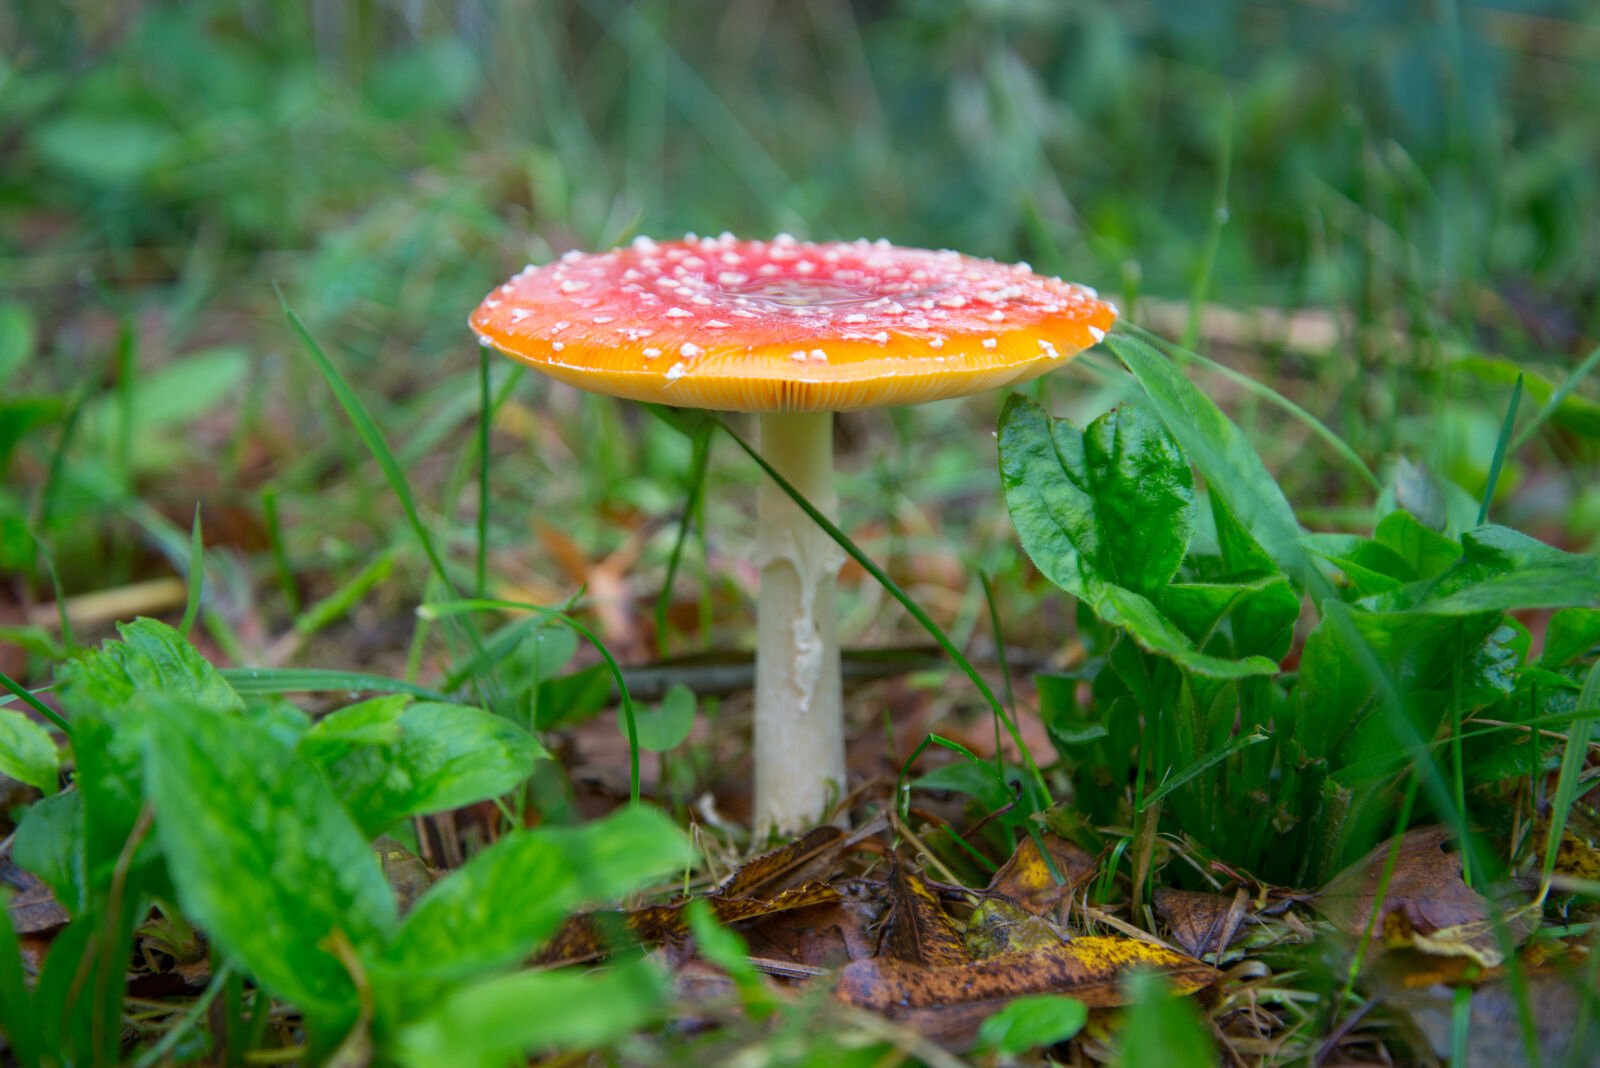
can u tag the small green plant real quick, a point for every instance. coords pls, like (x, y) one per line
(258, 823)
(1288, 774)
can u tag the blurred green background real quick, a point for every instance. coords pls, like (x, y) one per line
(1385, 210)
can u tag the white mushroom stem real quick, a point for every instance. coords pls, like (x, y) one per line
(799, 729)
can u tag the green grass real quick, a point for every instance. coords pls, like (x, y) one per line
(1371, 229)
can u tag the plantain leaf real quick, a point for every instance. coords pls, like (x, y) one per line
(1232, 468)
(1074, 498)
(508, 899)
(501, 1021)
(264, 858)
(388, 760)
(27, 752)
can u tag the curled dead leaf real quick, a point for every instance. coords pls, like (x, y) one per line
(919, 931)
(1027, 880)
(1426, 904)
(1201, 922)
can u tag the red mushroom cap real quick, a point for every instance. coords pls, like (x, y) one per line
(785, 325)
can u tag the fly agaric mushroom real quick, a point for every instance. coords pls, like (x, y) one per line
(793, 331)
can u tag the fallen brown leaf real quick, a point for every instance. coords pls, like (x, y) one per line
(1201, 922)
(33, 908)
(809, 857)
(818, 936)
(947, 1002)
(775, 882)
(595, 934)
(1426, 904)
(1026, 878)
(919, 931)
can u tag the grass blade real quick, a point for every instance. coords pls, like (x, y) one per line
(1555, 400)
(1219, 219)
(701, 436)
(196, 574)
(1500, 447)
(1216, 756)
(318, 680)
(1260, 389)
(341, 600)
(25, 695)
(1319, 429)
(442, 609)
(372, 437)
(280, 557)
(485, 415)
(1573, 759)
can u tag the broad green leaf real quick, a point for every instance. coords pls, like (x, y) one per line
(27, 752)
(1068, 723)
(1364, 581)
(372, 722)
(1262, 623)
(279, 718)
(1073, 497)
(151, 661)
(1199, 608)
(1031, 1022)
(508, 899)
(1418, 650)
(1427, 551)
(108, 693)
(1240, 552)
(1077, 496)
(728, 951)
(1158, 1028)
(49, 843)
(1155, 632)
(1501, 569)
(264, 858)
(19, 416)
(387, 760)
(491, 912)
(1570, 633)
(1232, 469)
(502, 1021)
(436, 77)
(665, 726)
(164, 399)
(971, 778)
